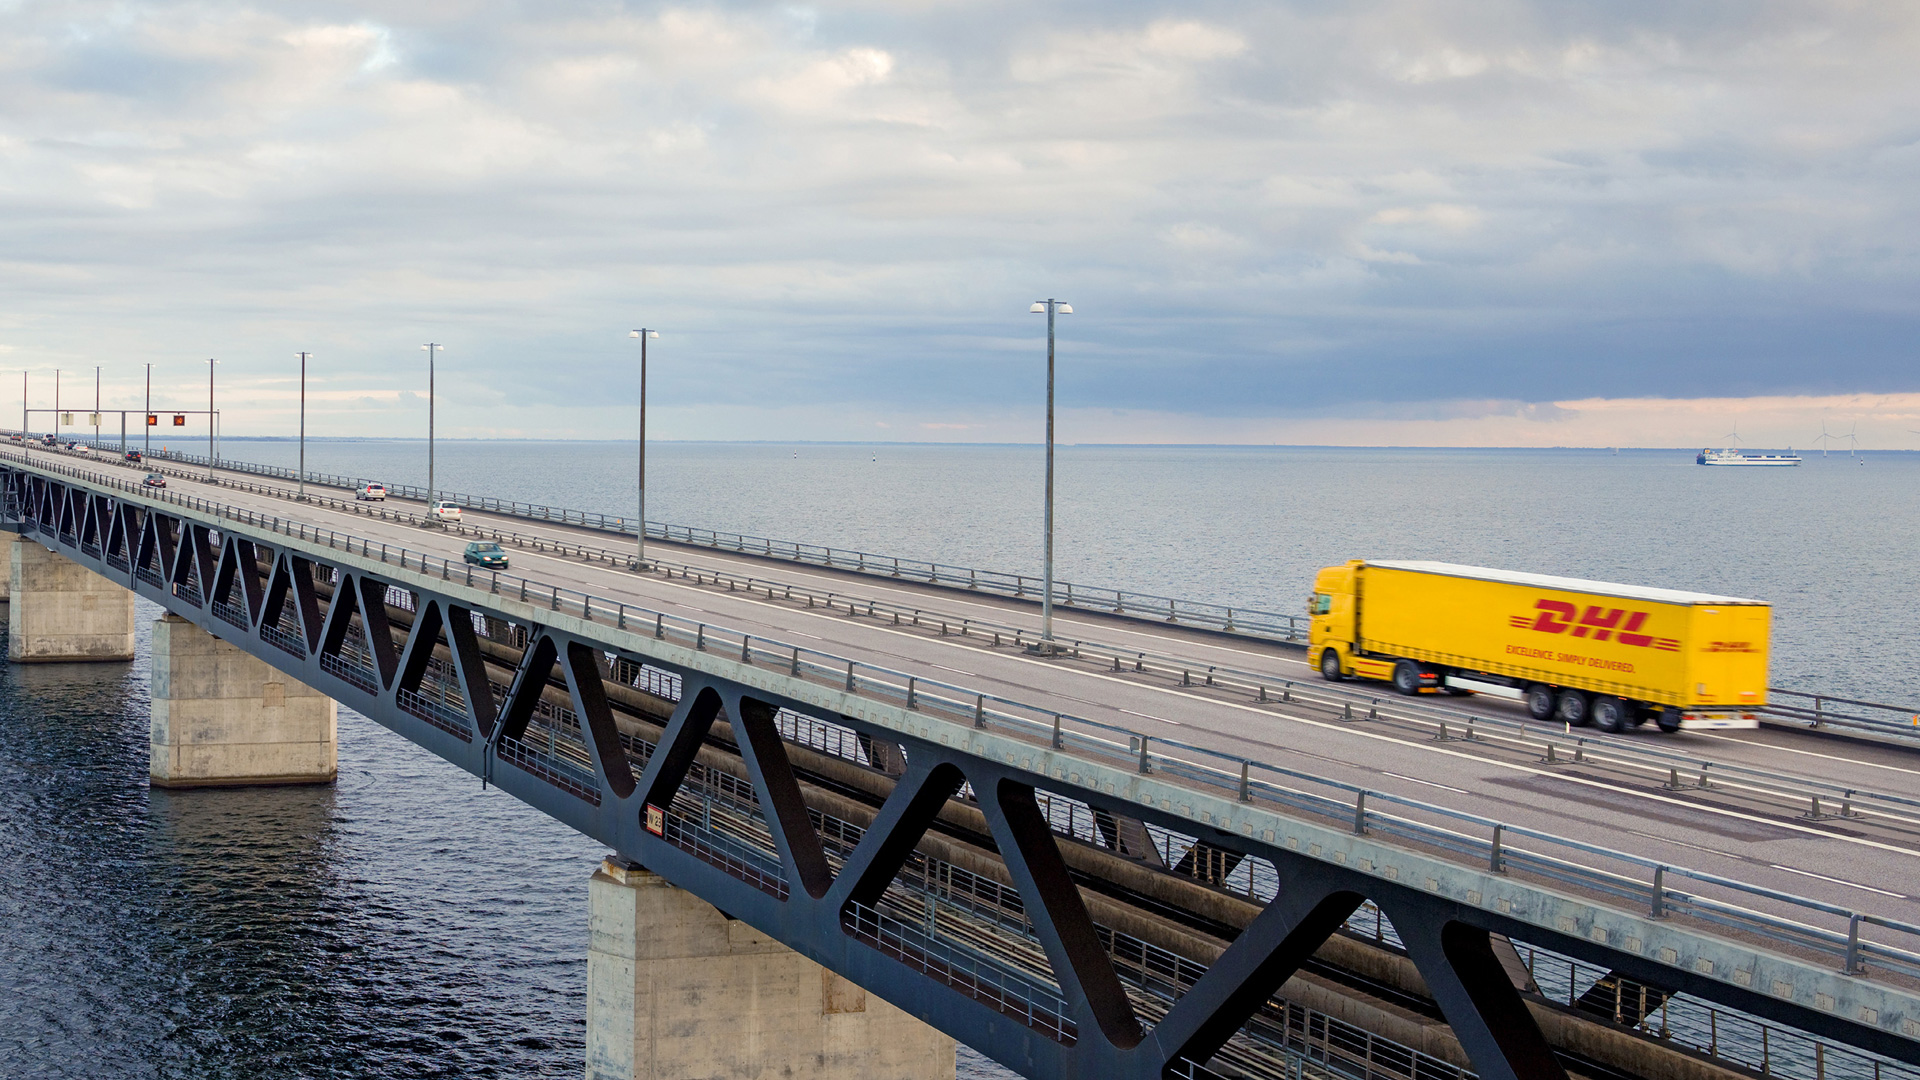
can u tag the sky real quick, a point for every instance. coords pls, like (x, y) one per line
(1409, 223)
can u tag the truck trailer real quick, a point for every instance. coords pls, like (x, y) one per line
(1578, 651)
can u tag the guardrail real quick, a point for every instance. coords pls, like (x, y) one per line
(1833, 932)
(1195, 613)
(1826, 710)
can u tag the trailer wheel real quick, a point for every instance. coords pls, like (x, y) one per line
(1540, 701)
(1330, 665)
(1571, 707)
(1406, 677)
(1669, 720)
(1610, 714)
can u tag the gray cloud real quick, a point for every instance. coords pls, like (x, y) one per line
(1258, 210)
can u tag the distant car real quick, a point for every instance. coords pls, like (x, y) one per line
(51, 441)
(371, 492)
(135, 456)
(444, 511)
(488, 554)
(154, 479)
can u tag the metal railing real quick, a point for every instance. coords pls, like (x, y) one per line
(1832, 932)
(1828, 711)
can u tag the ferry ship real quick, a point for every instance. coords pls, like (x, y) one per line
(1739, 457)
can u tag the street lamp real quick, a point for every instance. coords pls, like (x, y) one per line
(96, 407)
(26, 441)
(56, 408)
(1051, 307)
(303, 425)
(146, 421)
(640, 557)
(430, 348)
(210, 446)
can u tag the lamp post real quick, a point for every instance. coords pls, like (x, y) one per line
(96, 408)
(640, 556)
(210, 447)
(146, 424)
(26, 441)
(1051, 307)
(303, 426)
(56, 408)
(431, 348)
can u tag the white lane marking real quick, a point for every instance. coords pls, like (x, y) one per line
(1810, 753)
(1150, 716)
(1428, 783)
(1839, 881)
(955, 670)
(1684, 844)
(1324, 725)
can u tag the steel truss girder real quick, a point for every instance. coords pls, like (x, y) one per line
(1448, 942)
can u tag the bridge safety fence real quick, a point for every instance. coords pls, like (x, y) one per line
(1852, 938)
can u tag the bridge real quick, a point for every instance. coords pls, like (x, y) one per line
(1160, 851)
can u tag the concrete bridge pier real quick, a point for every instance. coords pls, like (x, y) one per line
(59, 611)
(676, 989)
(224, 718)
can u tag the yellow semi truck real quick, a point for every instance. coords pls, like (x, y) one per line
(1584, 652)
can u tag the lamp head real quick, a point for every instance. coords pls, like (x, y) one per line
(1040, 307)
(649, 333)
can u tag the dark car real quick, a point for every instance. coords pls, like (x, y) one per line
(135, 456)
(488, 554)
(154, 479)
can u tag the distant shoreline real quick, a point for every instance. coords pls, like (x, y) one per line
(1688, 447)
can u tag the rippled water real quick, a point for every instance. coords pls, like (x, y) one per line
(406, 923)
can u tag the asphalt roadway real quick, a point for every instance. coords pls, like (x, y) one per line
(1869, 863)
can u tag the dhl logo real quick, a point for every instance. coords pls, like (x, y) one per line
(1618, 624)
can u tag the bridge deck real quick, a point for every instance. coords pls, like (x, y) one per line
(1866, 861)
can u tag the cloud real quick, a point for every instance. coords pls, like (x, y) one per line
(1262, 213)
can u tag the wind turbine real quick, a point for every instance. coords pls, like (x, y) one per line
(1824, 437)
(1853, 440)
(1733, 437)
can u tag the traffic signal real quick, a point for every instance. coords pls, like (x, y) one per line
(179, 421)
(153, 420)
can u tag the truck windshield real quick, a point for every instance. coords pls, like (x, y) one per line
(1322, 603)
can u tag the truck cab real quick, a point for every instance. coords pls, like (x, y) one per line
(1334, 609)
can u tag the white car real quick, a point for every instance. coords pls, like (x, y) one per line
(443, 511)
(371, 492)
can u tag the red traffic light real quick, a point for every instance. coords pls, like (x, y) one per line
(152, 420)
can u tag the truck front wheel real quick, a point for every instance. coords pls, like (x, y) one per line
(1406, 677)
(1572, 708)
(1330, 665)
(1540, 701)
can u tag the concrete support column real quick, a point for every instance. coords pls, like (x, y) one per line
(223, 718)
(59, 610)
(678, 991)
(7, 541)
